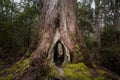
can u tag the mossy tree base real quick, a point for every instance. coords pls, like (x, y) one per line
(70, 72)
(19, 67)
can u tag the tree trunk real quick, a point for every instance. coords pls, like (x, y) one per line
(116, 15)
(59, 29)
(97, 32)
(97, 23)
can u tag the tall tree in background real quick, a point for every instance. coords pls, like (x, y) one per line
(97, 30)
(116, 14)
(59, 26)
(85, 20)
(97, 23)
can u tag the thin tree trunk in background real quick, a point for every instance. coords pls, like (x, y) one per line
(59, 24)
(97, 31)
(116, 15)
(105, 17)
(97, 23)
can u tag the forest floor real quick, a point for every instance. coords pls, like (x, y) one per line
(67, 72)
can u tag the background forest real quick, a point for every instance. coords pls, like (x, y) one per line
(98, 20)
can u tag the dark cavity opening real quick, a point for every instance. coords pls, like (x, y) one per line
(59, 53)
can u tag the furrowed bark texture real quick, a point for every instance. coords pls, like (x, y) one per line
(59, 24)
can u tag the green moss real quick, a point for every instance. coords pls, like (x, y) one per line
(77, 71)
(79, 52)
(52, 71)
(101, 72)
(17, 66)
(99, 78)
(8, 77)
(77, 47)
(104, 73)
(20, 66)
(82, 76)
(94, 66)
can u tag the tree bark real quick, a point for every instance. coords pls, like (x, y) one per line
(97, 32)
(116, 15)
(59, 25)
(97, 38)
